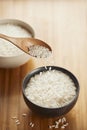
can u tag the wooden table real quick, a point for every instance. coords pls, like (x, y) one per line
(62, 24)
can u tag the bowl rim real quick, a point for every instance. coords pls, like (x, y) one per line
(38, 70)
(20, 23)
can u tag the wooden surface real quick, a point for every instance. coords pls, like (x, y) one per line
(62, 24)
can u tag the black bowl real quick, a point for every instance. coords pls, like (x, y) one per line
(50, 111)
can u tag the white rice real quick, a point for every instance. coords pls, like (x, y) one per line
(6, 48)
(39, 51)
(51, 89)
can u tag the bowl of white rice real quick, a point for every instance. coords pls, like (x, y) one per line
(50, 91)
(10, 55)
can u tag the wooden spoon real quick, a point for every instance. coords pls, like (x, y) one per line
(25, 43)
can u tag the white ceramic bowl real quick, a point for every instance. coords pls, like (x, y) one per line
(20, 59)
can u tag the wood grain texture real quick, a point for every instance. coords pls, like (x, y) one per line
(63, 25)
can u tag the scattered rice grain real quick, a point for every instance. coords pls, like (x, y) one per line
(66, 124)
(63, 120)
(31, 124)
(50, 68)
(14, 117)
(24, 114)
(59, 120)
(62, 127)
(46, 67)
(59, 124)
(50, 127)
(17, 121)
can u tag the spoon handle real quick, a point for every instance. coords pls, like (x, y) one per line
(10, 39)
(16, 41)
